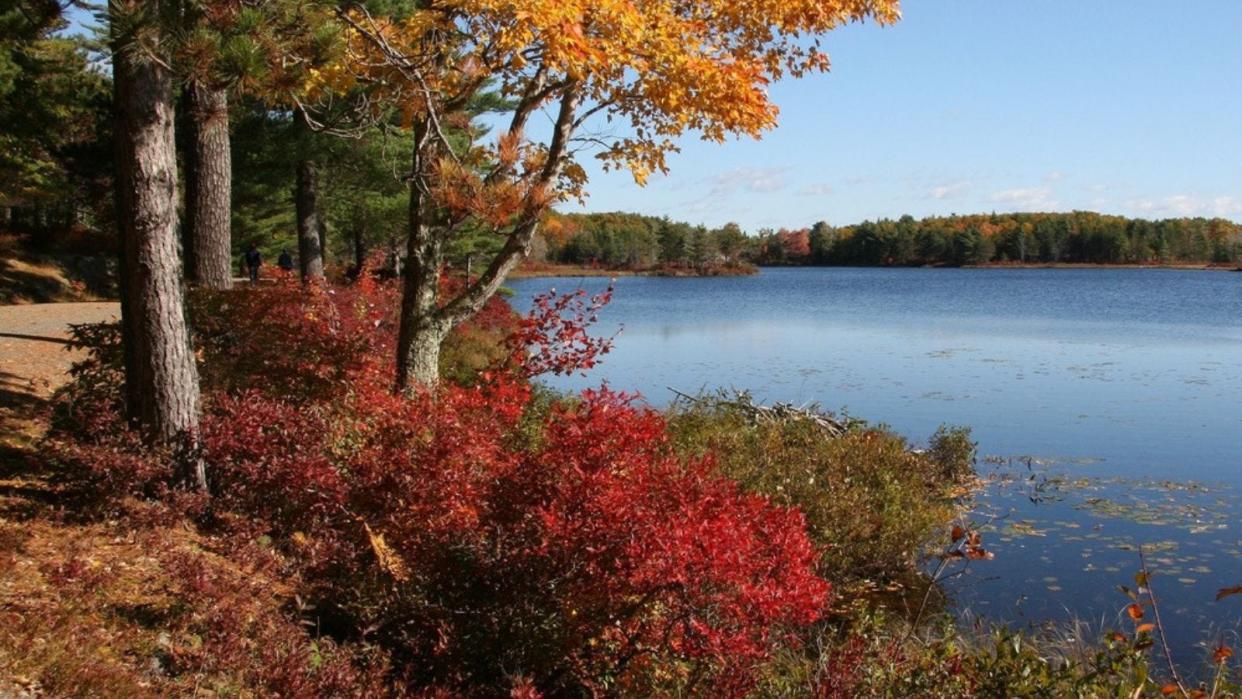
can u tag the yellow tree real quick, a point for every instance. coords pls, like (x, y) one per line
(649, 71)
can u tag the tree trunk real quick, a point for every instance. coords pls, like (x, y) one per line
(424, 320)
(394, 256)
(209, 178)
(161, 377)
(323, 242)
(310, 255)
(421, 331)
(360, 250)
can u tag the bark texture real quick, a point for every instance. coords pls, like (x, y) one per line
(161, 377)
(209, 179)
(420, 331)
(310, 254)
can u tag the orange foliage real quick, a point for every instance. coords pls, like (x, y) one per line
(664, 67)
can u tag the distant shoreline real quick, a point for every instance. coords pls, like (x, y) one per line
(1193, 267)
(584, 271)
(1086, 265)
(597, 272)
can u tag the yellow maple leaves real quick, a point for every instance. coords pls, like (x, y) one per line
(661, 67)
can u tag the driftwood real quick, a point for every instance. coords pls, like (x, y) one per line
(777, 413)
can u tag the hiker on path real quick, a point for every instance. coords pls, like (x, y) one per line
(254, 260)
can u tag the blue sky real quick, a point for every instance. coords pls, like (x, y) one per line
(965, 106)
(1131, 107)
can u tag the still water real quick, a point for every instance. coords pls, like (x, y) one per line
(1107, 405)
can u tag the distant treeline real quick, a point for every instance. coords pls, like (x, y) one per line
(632, 240)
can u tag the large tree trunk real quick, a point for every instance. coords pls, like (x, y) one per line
(161, 377)
(421, 330)
(306, 199)
(310, 254)
(209, 179)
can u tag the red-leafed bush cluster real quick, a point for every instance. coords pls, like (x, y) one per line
(488, 542)
(593, 558)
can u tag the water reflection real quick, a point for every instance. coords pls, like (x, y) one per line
(1133, 377)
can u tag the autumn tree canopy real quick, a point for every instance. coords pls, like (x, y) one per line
(656, 69)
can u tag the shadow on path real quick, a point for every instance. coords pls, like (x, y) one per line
(37, 338)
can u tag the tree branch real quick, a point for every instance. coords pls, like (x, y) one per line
(518, 242)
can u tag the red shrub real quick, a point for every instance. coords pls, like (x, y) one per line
(489, 547)
(294, 341)
(593, 558)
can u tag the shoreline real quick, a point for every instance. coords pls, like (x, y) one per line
(574, 271)
(596, 272)
(1183, 267)
(1188, 266)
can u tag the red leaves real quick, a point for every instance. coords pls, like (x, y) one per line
(589, 545)
(553, 339)
(460, 530)
(1221, 654)
(958, 533)
(1135, 611)
(967, 545)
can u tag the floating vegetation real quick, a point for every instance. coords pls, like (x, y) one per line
(1023, 528)
(1059, 527)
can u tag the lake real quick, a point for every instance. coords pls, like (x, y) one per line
(1107, 405)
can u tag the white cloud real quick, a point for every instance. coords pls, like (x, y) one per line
(1031, 198)
(751, 179)
(821, 189)
(1189, 205)
(1226, 206)
(1182, 205)
(951, 190)
(1054, 176)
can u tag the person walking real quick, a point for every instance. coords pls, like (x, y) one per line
(254, 260)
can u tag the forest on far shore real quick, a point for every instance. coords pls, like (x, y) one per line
(627, 240)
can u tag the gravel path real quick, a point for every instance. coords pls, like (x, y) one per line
(34, 360)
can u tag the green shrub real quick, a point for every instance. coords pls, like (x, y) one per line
(952, 449)
(872, 504)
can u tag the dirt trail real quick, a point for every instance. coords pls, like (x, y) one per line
(34, 358)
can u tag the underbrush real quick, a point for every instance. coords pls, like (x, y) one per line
(127, 609)
(486, 538)
(874, 507)
(483, 541)
(74, 267)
